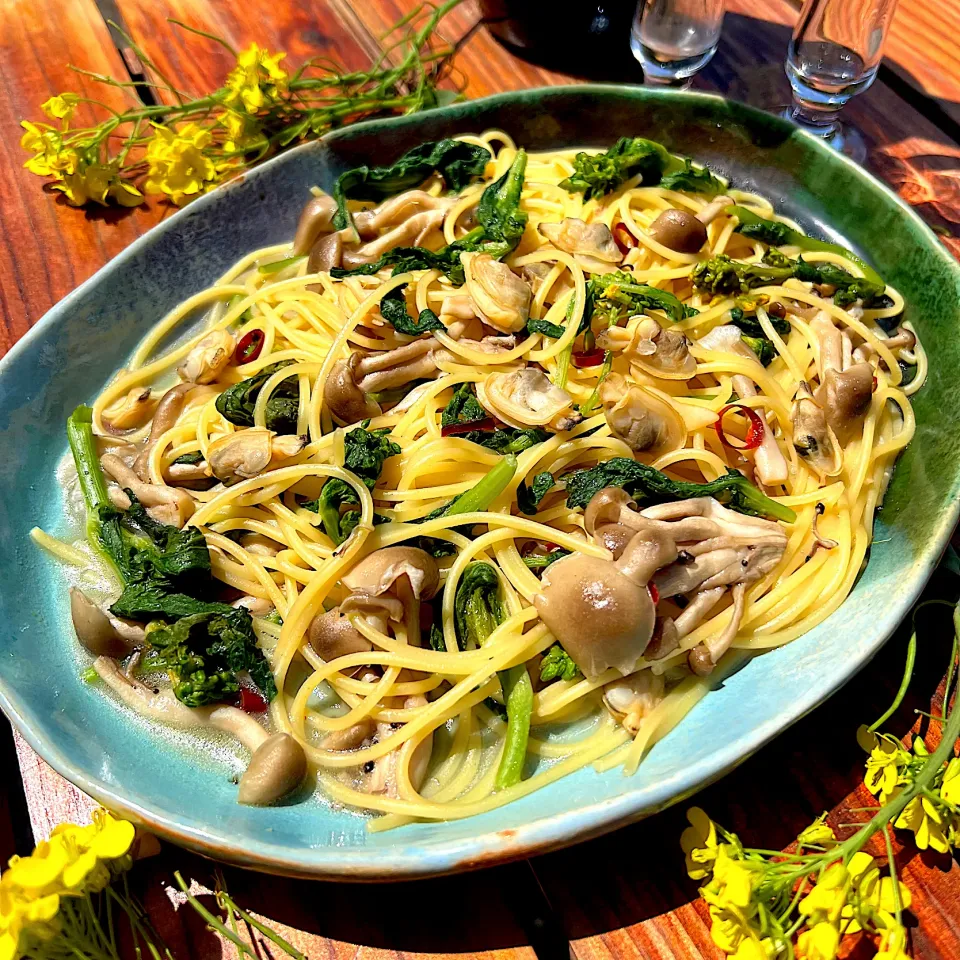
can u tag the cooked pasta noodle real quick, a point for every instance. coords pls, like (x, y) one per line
(413, 685)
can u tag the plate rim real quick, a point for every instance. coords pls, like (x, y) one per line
(411, 859)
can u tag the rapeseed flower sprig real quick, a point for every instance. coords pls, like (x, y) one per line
(769, 905)
(177, 152)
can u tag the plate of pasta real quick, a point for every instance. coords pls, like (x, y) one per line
(463, 485)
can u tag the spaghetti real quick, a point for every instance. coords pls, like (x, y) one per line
(602, 337)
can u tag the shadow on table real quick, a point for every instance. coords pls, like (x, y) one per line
(613, 883)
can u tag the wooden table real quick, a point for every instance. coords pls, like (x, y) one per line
(621, 896)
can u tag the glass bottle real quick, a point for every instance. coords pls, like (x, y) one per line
(673, 39)
(834, 55)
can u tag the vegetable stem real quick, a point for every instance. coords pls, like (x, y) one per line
(83, 446)
(485, 491)
(518, 697)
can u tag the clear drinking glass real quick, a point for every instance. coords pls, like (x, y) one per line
(834, 55)
(673, 39)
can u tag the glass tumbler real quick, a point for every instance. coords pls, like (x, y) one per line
(834, 55)
(673, 39)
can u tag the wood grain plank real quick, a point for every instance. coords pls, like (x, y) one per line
(46, 247)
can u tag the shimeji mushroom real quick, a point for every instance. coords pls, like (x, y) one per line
(332, 635)
(346, 392)
(602, 611)
(248, 453)
(94, 629)
(683, 231)
(164, 418)
(169, 505)
(846, 388)
(813, 437)
(380, 776)
(591, 244)
(208, 359)
(768, 460)
(277, 764)
(389, 584)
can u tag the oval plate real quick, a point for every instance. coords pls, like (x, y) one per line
(185, 795)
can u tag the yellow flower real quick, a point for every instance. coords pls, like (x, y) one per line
(819, 942)
(887, 756)
(926, 820)
(699, 844)
(826, 900)
(257, 81)
(61, 107)
(98, 182)
(893, 944)
(40, 872)
(51, 158)
(752, 949)
(818, 834)
(950, 786)
(177, 164)
(730, 898)
(874, 899)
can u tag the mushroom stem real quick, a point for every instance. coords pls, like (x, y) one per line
(165, 416)
(180, 505)
(411, 610)
(713, 209)
(697, 610)
(703, 657)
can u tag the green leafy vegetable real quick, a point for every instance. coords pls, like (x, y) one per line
(557, 664)
(597, 174)
(205, 652)
(616, 295)
(481, 494)
(500, 221)
(275, 266)
(478, 611)
(464, 407)
(528, 498)
(364, 454)
(545, 327)
(750, 325)
(540, 561)
(393, 307)
(693, 180)
(457, 162)
(191, 459)
(165, 571)
(779, 234)
(649, 486)
(236, 403)
(762, 347)
(721, 275)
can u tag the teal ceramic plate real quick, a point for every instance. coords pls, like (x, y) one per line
(184, 793)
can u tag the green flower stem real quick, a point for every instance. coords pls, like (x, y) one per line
(262, 928)
(215, 923)
(897, 902)
(904, 683)
(518, 697)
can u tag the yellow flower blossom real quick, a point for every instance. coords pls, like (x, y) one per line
(61, 107)
(819, 942)
(874, 895)
(257, 81)
(928, 823)
(893, 944)
(752, 949)
(887, 757)
(950, 786)
(730, 898)
(178, 166)
(818, 834)
(699, 844)
(826, 900)
(51, 158)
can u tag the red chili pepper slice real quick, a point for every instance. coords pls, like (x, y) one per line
(455, 429)
(588, 358)
(754, 432)
(624, 239)
(251, 701)
(249, 347)
(654, 593)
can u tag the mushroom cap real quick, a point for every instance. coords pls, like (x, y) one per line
(615, 537)
(332, 635)
(325, 254)
(94, 629)
(679, 230)
(347, 402)
(378, 572)
(276, 768)
(845, 397)
(498, 293)
(600, 617)
(650, 548)
(605, 507)
(315, 218)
